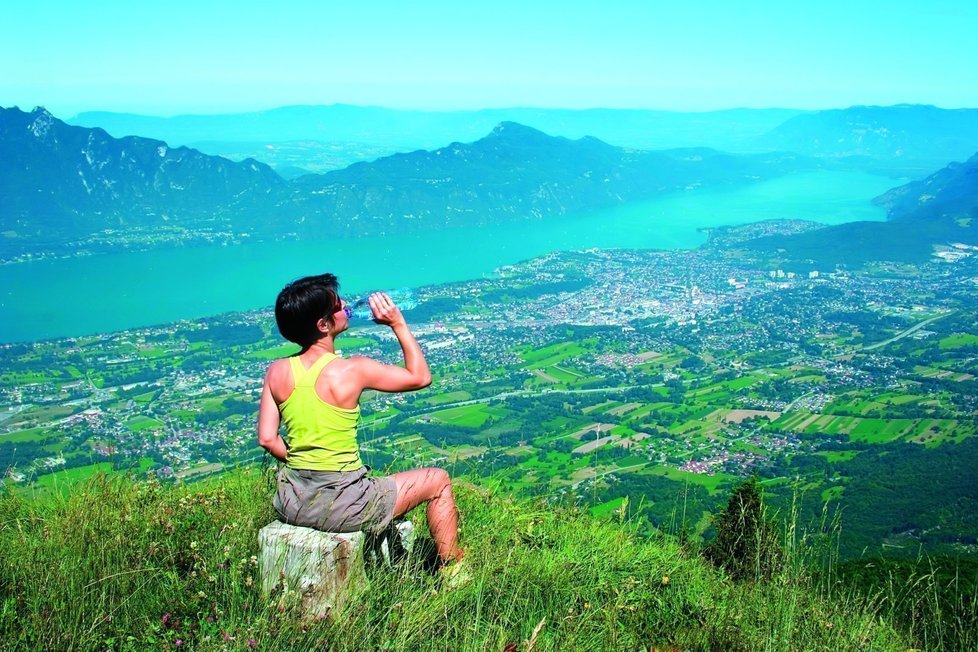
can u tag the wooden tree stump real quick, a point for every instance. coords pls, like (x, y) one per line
(319, 569)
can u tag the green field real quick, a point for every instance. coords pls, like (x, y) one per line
(861, 404)
(832, 493)
(711, 482)
(41, 415)
(601, 406)
(838, 456)
(720, 392)
(468, 416)
(564, 375)
(62, 481)
(449, 397)
(143, 423)
(958, 340)
(647, 409)
(350, 342)
(144, 398)
(280, 351)
(551, 355)
(24, 377)
(152, 352)
(30, 434)
(284, 350)
(878, 431)
(870, 430)
(607, 508)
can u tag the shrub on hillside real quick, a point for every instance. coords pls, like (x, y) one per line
(747, 544)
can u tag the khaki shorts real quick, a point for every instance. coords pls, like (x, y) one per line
(335, 501)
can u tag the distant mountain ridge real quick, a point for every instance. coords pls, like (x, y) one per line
(949, 193)
(382, 131)
(514, 172)
(941, 209)
(69, 182)
(58, 181)
(906, 136)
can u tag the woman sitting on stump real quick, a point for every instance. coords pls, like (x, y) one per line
(323, 484)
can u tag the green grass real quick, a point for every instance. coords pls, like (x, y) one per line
(24, 377)
(565, 375)
(351, 342)
(30, 434)
(958, 340)
(274, 353)
(152, 352)
(832, 493)
(144, 398)
(600, 407)
(143, 423)
(606, 509)
(62, 481)
(468, 416)
(130, 565)
(789, 420)
(551, 355)
(212, 404)
(449, 397)
(876, 431)
(880, 430)
(711, 482)
(838, 456)
(41, 415)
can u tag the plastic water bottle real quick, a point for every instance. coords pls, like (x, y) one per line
(403, 298)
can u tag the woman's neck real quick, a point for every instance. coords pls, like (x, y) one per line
(325, 345)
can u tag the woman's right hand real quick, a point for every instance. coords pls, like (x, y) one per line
(385, 312)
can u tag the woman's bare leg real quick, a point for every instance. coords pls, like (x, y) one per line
(434, 487)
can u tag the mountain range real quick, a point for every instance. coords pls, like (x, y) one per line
(904, 140)
(514, 172)
(376, 131)
(60, 183)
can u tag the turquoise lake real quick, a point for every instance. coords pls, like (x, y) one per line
(79, 296)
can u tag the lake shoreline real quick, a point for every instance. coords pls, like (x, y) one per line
(84, 295)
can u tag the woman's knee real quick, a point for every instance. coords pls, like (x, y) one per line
(437, 483)
(440, 478)
(421, 485)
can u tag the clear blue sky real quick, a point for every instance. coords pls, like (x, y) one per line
(180, 56)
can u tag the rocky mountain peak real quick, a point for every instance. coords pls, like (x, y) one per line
(40, 122)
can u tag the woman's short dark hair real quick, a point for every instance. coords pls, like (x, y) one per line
(302, 303)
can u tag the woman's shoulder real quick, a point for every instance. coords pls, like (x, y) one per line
(278, 369)
(278, 377)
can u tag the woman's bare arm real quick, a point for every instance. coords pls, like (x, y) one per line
(392, 378)
(268, 424)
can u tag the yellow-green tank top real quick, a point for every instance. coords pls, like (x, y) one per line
(322, 437)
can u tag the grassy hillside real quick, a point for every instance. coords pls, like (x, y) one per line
(124, 565)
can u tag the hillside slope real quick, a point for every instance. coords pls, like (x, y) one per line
(124, 565)
(59, 182)
(941, 209)
(515, 172)
(909, 138)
